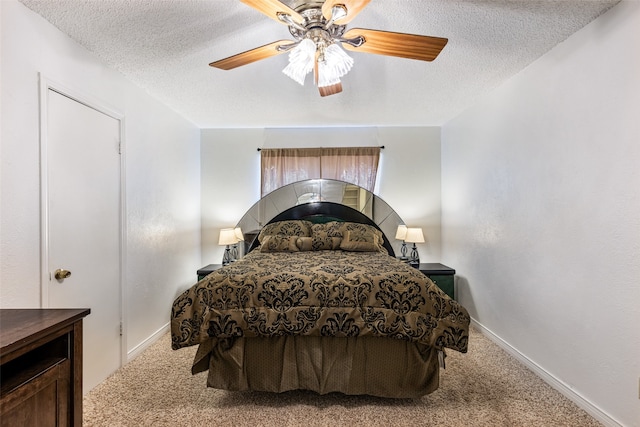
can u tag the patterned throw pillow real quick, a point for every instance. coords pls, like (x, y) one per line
(363, 230)
(279, 243)
(299, 228)
(331, 229)
(359, 242)
(304, 243)
(358, 233)
(321, 241)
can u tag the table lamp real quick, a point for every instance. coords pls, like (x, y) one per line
(239, 238)
(227, 237)
(401, 234)
(414, 235)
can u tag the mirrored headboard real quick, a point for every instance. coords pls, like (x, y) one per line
(315, 190)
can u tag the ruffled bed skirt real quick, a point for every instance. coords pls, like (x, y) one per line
(373, 366)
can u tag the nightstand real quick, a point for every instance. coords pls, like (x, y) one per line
(441, 275)
(205, 271)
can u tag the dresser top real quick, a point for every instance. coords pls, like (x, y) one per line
(20, 326)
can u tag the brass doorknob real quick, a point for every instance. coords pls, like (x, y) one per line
(61, 274)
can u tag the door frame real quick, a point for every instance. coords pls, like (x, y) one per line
(46, 84)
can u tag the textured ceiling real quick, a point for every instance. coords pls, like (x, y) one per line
(165, 46)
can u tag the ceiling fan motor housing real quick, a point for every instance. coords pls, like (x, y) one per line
(315, 26)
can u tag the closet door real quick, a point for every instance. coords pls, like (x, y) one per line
(83, 229)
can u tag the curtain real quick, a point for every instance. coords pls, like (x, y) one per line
(282, 166)
(357, 166)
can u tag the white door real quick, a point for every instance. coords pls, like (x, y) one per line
(83, 203)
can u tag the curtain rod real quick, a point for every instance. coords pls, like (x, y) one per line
(381, 147)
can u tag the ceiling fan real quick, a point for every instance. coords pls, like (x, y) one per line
(319, 29)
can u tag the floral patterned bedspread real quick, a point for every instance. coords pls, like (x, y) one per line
(324, 293)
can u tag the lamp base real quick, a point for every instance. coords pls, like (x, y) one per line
(403, 250)
(414, 260)
(226, 259)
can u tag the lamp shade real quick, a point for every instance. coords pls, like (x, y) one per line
(301, 60)
(238, 233)
(335, 65)
(414, 235)
(401, 234)
(332, 63)
(227, 237)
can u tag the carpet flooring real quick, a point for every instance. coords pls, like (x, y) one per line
(485, 387)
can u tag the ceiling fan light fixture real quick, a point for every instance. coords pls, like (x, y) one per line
(336, 64)
(326, 79)
(301, 60)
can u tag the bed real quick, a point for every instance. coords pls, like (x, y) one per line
(320, 303)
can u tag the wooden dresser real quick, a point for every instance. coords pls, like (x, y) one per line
(41, 367)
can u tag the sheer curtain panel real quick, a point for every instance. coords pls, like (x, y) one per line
(357, 165)
(282, 166)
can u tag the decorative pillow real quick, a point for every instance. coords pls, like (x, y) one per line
(304, 243)
(292, 227)
(279, 243)
(321, 241)
(332, 228)
(358, 232)
(361, 229)
(359, 242)
(337, 228)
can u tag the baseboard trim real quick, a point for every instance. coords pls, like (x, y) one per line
(135, 351)
(550, 379)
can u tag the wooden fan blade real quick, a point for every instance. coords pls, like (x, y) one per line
(271, 8)
(411, 46)
(354, 7)
(250, 56)
(330, 90)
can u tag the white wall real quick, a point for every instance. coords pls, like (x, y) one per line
(162, 173)
(409, 175)
(541, 213)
